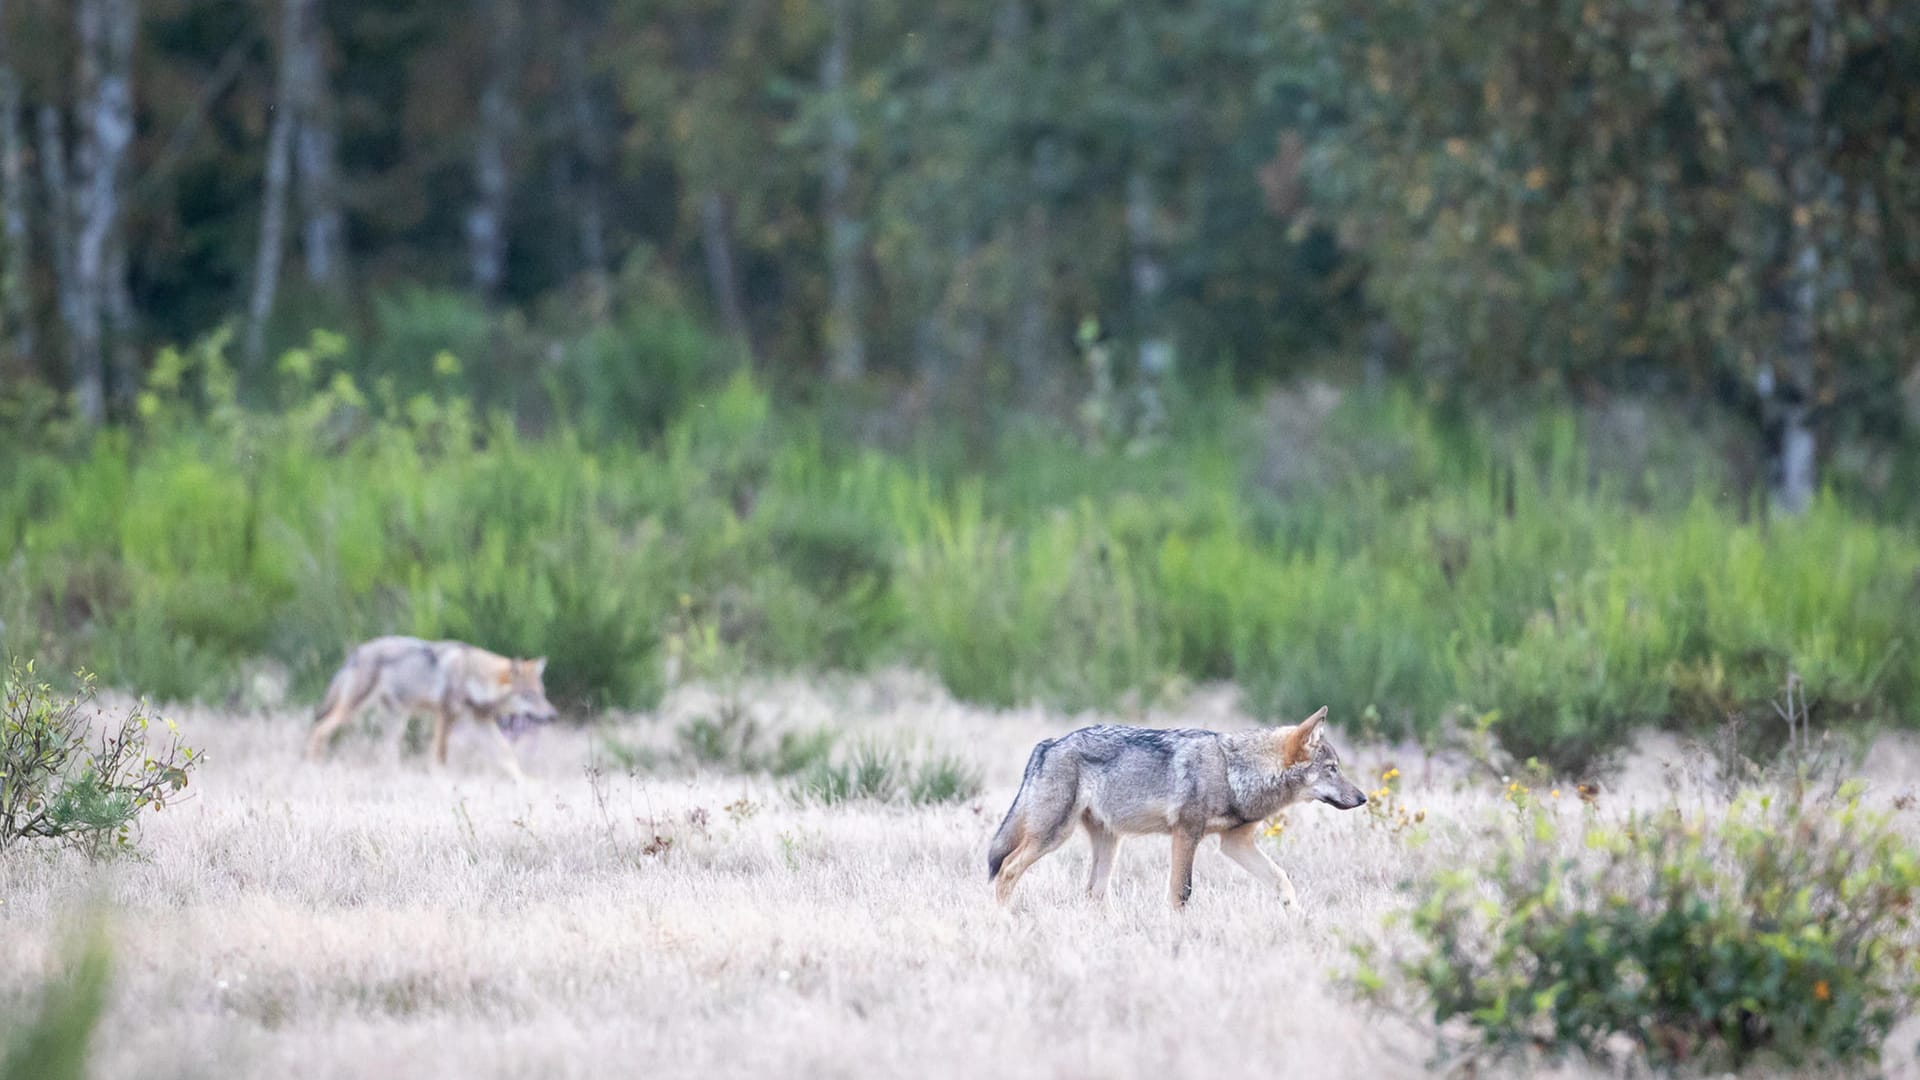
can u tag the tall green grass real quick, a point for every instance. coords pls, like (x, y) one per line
(1393, 556)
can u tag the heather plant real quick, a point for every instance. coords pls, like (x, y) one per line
(1781, 931)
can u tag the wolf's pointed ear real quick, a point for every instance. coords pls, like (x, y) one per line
(539, 666)
(1294, 749)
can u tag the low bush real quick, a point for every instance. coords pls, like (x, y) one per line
(1780, 932)
(57, 784)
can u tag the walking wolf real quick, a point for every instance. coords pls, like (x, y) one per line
(447, 680)
(1117, 781)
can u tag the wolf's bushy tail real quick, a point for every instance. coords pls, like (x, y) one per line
(1013, 827)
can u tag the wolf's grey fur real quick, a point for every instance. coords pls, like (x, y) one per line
(1117, 781)
(447, 680)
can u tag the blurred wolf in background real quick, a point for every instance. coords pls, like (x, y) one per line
(447, 680)
(1120, 781)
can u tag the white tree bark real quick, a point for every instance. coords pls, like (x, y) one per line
(105, 32)
(1795, 472)
(846, 344)
(323, 225)
(1156, 355)
(270, 252)
(487, 218)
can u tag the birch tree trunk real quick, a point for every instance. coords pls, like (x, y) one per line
(103, 32)
(846, 345)
(1149, 276)
(1791, 393)
(271, 249)
(487, 219)
(315, 158)
(14, 225)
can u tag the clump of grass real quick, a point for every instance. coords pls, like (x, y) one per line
(53, 1042)
(878, 773)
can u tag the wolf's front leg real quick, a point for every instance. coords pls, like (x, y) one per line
(1180, 882)
(442, 727)
(507, 756)
(1238, 845)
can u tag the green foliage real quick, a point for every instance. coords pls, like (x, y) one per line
(1782, 931)
(1599, 191)
(55, 784)
(732, 739)
(1396, 557)
(52, 1044)
(878, 773)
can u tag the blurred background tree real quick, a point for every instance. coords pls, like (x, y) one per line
(1710, 203)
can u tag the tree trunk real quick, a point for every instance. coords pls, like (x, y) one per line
(271, 250)
(51, 134)
(716, 242)
(1794, 472)
(487, 220)
(1028, 237)
(14, 230)
(1030, 360)
(315, 157)
(1156, 356)
(122, 322)
(105, 31)
(590, 151)
(846, 345)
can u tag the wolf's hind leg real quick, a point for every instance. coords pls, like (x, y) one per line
(324, 729)
(1106, 843)
(1034, 846)
(1238, 845)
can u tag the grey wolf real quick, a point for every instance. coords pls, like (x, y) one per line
(1116, 781)
(445, 680)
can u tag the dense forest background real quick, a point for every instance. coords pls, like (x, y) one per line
(1340, 292)
(1716, 202)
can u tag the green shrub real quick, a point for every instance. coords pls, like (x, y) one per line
(1782, 931)
(732, 739)
(55, 784)
(1387, 554)
(629, 379)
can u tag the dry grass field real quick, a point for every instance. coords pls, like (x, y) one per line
(372, 917)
